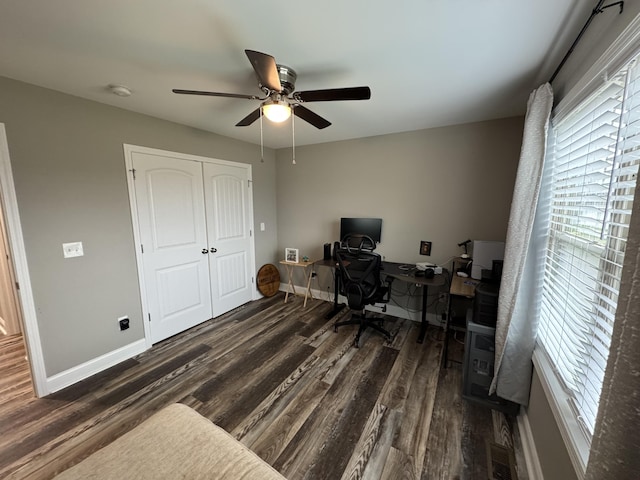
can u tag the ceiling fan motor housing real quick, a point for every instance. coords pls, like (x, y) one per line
(288, 78)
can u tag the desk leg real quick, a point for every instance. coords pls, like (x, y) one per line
(307, 292)
(336, 287)
(423, 323)
(293, 291)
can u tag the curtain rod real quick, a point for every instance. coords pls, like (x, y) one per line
(598, 9)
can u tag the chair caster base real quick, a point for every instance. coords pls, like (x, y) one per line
(364, 322)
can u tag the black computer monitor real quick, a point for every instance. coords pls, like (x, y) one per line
(371, 227)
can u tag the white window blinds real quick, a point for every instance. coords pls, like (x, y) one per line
(594, 154)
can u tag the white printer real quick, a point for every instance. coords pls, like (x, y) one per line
(424, 265)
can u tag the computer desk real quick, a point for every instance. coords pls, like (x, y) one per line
(393, 270)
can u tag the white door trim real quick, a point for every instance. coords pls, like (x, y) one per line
(19, 255)
(128, 156)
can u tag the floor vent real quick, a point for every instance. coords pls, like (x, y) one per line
(500, 462)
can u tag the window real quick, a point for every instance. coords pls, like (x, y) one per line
(593, 161)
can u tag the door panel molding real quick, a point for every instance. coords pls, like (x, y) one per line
(172, 223)
(227, 189)
(233, 262)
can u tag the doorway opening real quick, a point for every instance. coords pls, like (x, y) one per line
(15, 374)
(25, 337)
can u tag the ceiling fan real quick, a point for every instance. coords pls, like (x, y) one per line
(278, 84)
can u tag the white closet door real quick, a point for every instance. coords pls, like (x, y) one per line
(229, 232)
(171, 216)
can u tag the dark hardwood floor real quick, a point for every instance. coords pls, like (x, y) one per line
(279, 379)
(15, 379)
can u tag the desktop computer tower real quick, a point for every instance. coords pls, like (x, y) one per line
(485, 304)
(478, 367)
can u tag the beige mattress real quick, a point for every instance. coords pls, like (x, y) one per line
(175, 443)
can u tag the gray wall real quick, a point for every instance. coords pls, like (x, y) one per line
(605, 28)
(69, 172)
(443, 185)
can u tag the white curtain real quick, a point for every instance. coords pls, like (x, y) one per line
(516, 325)
(616, 442)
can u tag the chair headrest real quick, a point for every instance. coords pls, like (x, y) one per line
(358, 243)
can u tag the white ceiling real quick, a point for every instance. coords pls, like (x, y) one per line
(429, 63)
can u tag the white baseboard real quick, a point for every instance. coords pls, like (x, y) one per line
(85, 370)
(392, 310)
(534, 470)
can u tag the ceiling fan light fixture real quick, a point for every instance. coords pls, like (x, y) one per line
(276, 111)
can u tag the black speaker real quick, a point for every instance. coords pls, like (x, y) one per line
(336, 246)
(327, 251)
(427, 273)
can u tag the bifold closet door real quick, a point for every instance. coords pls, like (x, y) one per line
(229, 232)
(175, 252)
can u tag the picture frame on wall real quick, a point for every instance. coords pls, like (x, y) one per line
(425, 248)
(291, 255)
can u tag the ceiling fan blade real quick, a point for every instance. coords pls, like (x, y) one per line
(332, 94)
(308, 116)
(266, 69)
(249, 119)
(214, 94)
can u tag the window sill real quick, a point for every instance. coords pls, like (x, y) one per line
(577, 444)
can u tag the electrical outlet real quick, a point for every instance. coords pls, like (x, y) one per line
(73, 249)
(123, 322)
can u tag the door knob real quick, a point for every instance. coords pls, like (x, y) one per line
(205, 251)
(214, 250)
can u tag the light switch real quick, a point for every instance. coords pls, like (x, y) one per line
(73, 249)
(262, 226)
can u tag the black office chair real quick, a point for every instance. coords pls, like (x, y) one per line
(359, 269)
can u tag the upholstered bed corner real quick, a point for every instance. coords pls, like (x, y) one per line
(175, 443)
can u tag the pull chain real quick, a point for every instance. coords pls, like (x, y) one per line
(293, 133)
(261, 139)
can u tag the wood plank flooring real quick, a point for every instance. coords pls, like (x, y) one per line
(278, 378)
(15, 379)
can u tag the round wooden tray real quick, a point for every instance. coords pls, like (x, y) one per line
(268, 280)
